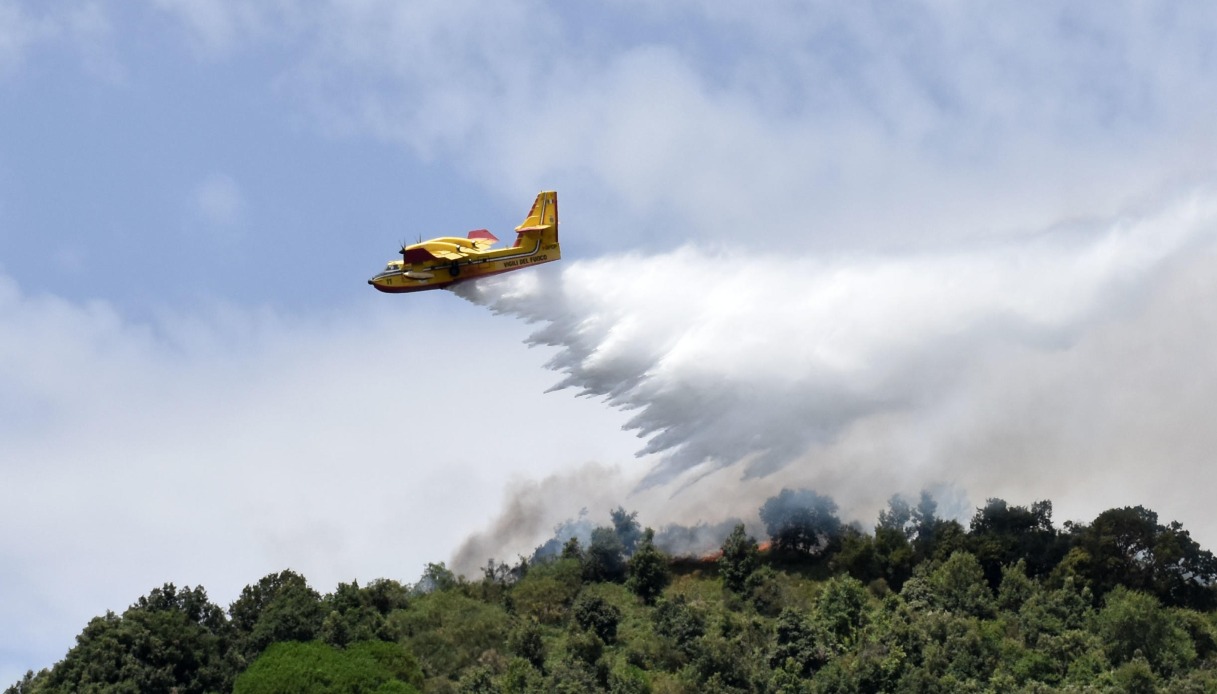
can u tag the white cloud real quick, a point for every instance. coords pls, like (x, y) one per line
(220, 27)
(90, 29)
(218, 199)
(18, 32)
(215, 22)
(84, 28)
(838, 126)
(821, 126)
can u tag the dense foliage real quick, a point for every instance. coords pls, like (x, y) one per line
(921, 604)
(375, 667)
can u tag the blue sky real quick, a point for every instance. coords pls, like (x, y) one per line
(177, 157)
(980, 212)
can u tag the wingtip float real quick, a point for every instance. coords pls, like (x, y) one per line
(444, 261)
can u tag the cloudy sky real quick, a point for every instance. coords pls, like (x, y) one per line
(968, 247)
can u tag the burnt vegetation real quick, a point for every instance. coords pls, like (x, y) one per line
(805, 603)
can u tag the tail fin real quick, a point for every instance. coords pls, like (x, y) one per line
(543, 216)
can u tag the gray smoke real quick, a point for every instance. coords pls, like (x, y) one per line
(534, 510)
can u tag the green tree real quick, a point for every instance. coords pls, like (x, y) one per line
(1136, 677)
(572, 675)
(604, 559)
(1003, 534)
(386, 595)
(809, 628)
(1133, 623)
(521, 677)
(627, 528)
(192, 603)
(738, 560)
(548, 590)
(857, 556)
(892, 549)
(436, 577)
(572, 550)
(30, 683)
(765, 592)
(935, 538)
(449, 631)
(679, 622)
(841, 609)
(1016, 588)
(898, 517)
(1129, 547)
(375, 667)
(585, 647)
(525, 641)
(924, 519)
(169, 641)
(597, 615)
(648, 569)
(957, 585)
(801, 522)
(722, 665)
(280, 607)
(798, 648)
(477, 680)
(496, 576)
(962, 650)
(887, 555)
(628, 679)
(352, 614)
(1054, 612)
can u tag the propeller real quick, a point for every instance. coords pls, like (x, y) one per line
(403, 244)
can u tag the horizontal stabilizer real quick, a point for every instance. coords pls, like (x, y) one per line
(482, 234)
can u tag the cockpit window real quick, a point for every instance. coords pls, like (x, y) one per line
(389, 267)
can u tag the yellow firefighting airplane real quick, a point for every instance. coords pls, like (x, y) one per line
(447, 260)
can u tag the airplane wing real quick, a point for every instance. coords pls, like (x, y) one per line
(432, 251)
(448, 248)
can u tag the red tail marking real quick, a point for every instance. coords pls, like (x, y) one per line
(482, 234)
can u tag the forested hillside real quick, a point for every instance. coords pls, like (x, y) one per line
(1010, 603)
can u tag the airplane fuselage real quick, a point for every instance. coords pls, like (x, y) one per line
(399, 277)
